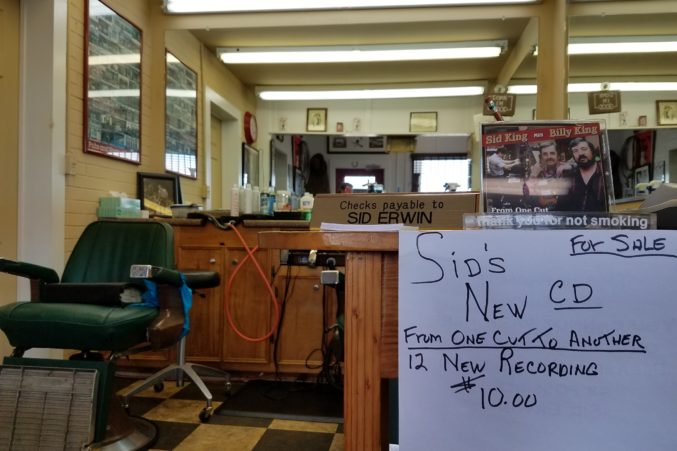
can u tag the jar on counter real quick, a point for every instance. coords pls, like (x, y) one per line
(282, 201)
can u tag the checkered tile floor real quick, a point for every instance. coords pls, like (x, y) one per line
(175, 411)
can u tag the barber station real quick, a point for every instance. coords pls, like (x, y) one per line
(372, 226)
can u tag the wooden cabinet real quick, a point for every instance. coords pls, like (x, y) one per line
(250, 311)
(205, 315)
(212, 339)
(302, 330)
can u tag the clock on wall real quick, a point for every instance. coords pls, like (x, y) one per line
(250, 127)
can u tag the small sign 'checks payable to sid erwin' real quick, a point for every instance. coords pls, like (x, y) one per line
(427, 211)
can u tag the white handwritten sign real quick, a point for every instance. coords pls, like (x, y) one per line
(538, 340)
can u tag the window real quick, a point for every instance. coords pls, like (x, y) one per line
(436, 173)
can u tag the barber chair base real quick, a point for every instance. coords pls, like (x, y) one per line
(178, 370)
(113, 429)
(125, 432)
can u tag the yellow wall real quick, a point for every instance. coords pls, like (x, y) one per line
(9, 146)
(94, 176)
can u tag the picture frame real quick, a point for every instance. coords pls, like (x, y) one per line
(180, 118)
(666, 112)
(424, 121)
(112, 84)
(250, 165)
(356, 144)
(642, 175)
(316, 120)
(158, 192)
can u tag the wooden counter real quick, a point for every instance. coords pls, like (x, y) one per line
(212, 340)
(370, 328)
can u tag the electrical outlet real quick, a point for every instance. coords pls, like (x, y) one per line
(329, 277)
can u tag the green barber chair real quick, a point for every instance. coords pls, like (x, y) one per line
(93, 308)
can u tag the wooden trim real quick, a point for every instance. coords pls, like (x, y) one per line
(329, 241)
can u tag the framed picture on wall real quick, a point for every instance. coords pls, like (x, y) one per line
(316, 120)
(158, 192)
(666, 112)
(423, 122)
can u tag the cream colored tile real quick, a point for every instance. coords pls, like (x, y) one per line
(337, 444)
(170, 388)
(181, 410)
(214, 436)
(305, 426)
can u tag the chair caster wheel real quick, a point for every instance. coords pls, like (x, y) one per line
(206, 414)
(158, 387)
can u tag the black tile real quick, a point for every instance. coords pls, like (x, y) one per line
(170, 434)
(275, 440)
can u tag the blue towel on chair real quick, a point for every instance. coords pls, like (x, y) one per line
(150, 299)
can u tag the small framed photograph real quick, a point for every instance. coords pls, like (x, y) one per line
(641, 176)
(666, 112)
(158, 192)
(423, 122)
(316, 120)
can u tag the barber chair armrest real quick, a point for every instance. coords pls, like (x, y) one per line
(105, 294)
(199, 278)
(28, 270)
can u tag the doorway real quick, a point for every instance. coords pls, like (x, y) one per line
(361, 179)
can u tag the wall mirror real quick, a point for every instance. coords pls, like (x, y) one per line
(180, 118)
(250, 165)
(112, 84)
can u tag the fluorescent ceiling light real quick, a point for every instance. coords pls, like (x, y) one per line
(362, 53)
(354, 94)
(614, 86)
(622, 44)
(214, 6)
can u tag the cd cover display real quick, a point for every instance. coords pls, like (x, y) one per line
(544, 166)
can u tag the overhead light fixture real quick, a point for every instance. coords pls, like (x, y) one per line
(362, 53)
(220, 6)
(614, 86)
(620, 45)
(357, 94)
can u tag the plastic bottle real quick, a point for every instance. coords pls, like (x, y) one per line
(307, 202)
(271, 201)
(242, 204)
(256, 200)
(247, 207)
(235, 200)
(307, 205)
(263, 203)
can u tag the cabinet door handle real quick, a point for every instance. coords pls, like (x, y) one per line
(316, 286)
(212, 261)
(234, 262)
